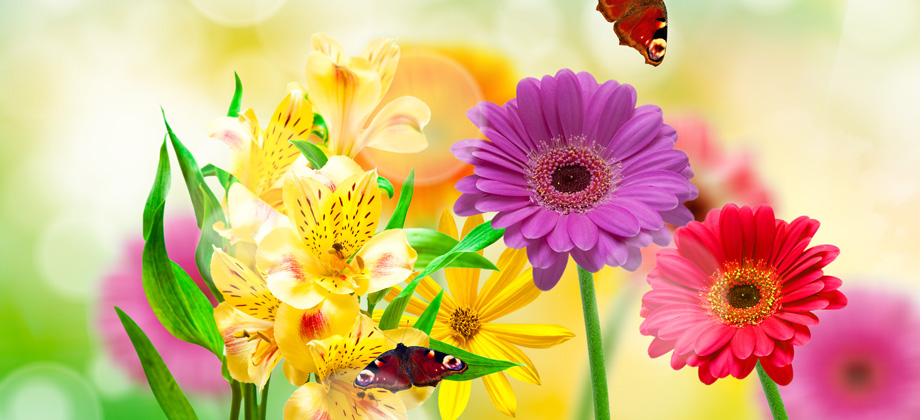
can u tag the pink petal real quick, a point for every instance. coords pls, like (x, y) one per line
(713, 339)
(558, 239)
(777, 329)
(582, 231)
(763, 345)
(764, 232)
(782, 375)
(806, 305)
(505, 219)
(743, 342)
(659, 348)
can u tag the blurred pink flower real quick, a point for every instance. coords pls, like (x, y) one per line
(864, 363)
(196, 369)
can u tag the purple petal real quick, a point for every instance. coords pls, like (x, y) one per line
(463, 149)
(558, 239)
(582, 230)
(589, 86)
(648, 218)
(669, 159)
(568, 98)
(618, 252)
(467, 184)
(514, 238)
(592, 260)
(661, 237)
(594, 112)
(529, 110)
(507, 218)
(514, 149)
(541, 254)
(655, 198)
(491, 202)
(488, 170)
(617, 109)
(678, 216)
(548, 101)
(540, 224)
(466, 204)
(492, 186)
(546, 278)
(634, 260)
(500, 159)
(635, 134)
(615, 219)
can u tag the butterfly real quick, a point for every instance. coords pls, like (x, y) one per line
(641, 24)
(405, 367)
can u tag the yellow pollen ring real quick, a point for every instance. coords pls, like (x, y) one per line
(464, 322)
(743, 293)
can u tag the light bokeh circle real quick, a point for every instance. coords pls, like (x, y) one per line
(48, 391)
(238, 12)
(73, 253)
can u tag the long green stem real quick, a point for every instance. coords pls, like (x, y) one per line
(236, 394)
(595, 345)
(620, 306)
(263, 407)
(249, 401)
(772, 393)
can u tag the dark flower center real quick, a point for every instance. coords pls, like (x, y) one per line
(571, 178)
(743, 293)
(858, 374)
(743, 296)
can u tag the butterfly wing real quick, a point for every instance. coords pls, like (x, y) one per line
(641, 24)
(386, 371)
(427, 367)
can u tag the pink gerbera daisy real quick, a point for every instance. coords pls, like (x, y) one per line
(739, 288)
(864, 364)
(574, 168)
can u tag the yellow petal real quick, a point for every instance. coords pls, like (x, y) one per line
(234, 134)
(404, 321)
(312, 209)
(241, 287)
(359, 200)
(510, 263)
(447, 225)
(335, 354)
(294, 328)
(307, 402)
(416, 306)
(383, 54)
(415, 396)
(237, 328)
(328, 46)
(537, 336)
(497, 349)
(515, 296)
(388, 258)
(344, 95)
(290, 271)
(295, 376)
(470, 223)
(340, 168)
(251, 218)
(398, 127)
(453, 398)
(342, 402)
(292, 120)
(408, 336)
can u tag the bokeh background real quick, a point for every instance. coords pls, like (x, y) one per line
(819, 95)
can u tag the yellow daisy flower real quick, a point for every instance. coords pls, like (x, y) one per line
(347, 92)
(466, 316)
(260, 158)
(330, 246)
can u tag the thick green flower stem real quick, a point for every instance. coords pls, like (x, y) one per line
(250, 402)
(595, 345)
(237, 397)
(772, 392)
(263, 407)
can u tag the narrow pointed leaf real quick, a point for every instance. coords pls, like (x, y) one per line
(167, 392)
(480, 237)
(402, 207)
(225, 178)
(319, 127)
(312, 152)
(175, 299)
(426, 321)
(205, 250)
(200, 194)
(478, 366)
(237, 100)
(385, 185)
(374, 298)
(430, 244)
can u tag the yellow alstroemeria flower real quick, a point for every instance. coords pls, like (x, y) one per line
(337, 361)
(332, 247)
(260, 158)
(465, 321)
(347, 91)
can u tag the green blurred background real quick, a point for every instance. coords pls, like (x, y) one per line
(822, 93)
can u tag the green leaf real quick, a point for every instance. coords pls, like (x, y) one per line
(312, 152)
(477, 365)
(159, 190)
(319, 127)
(480, 237)
(167, 392)
(385, 185)
(175, 299)
(430, 244)
(237, 100)
(402, 207)
(426, 321)
(205, 249)
(200, 194)
(225, 178)
(374, 298)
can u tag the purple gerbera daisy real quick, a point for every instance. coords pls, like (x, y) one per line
(574, 168)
